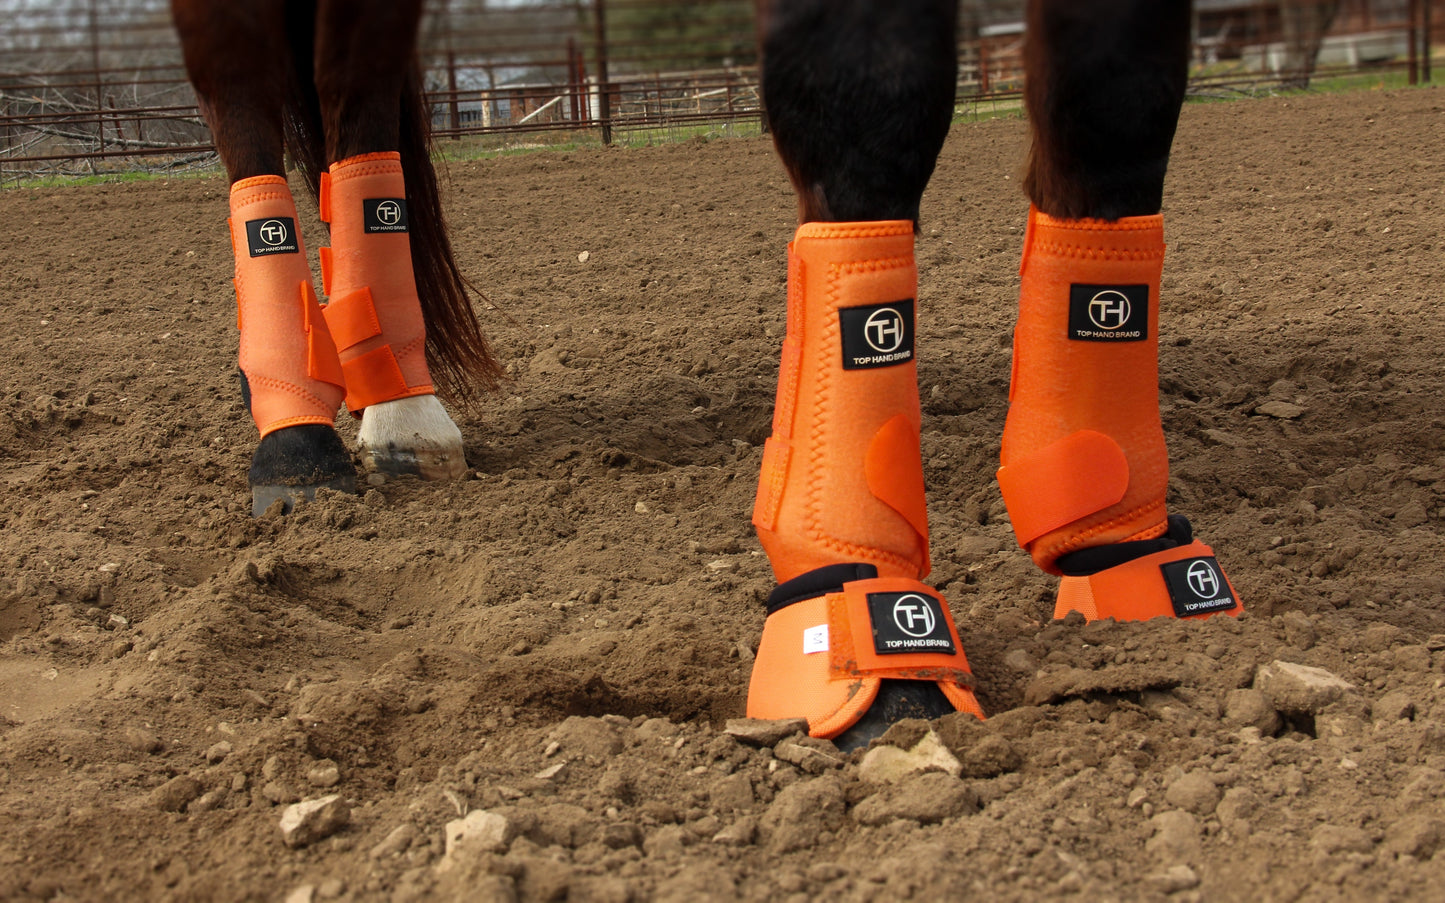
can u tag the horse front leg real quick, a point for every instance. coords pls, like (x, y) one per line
(238, 60)
(364, 55)
(1084, 465)
(859, 97)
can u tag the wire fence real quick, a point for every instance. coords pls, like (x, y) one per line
(98, 86)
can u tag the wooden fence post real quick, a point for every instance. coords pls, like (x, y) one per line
(1413, 38)
(1425, 33)
(604, 90)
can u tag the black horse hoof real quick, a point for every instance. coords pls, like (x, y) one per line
(292, 463)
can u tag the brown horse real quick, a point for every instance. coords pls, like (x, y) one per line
(859, 97)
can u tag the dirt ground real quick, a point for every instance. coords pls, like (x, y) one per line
(558, 641)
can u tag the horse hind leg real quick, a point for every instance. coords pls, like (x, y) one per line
(237, 59)
(363, 69)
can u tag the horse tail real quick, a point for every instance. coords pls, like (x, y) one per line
(301, 107)
(457, 353)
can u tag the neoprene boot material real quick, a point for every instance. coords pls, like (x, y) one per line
(287, 355)
(1083, 460)
(373, 310)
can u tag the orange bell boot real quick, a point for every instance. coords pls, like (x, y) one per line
(840, 507)
(373, 309)
(1174, 576)
(293, 376)
(835, 634)
(1084, 466)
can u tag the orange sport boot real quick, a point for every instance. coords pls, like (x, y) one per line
(1084, 467)
(292, 373)
(840, 508)
(373, 309)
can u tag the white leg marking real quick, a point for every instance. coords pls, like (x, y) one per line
(412, 435)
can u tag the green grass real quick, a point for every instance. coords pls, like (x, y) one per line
(1388, 80)
(1228, 82)
(1231, 83)
(484, 147)
(115, 177)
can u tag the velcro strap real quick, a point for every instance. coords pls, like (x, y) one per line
(372, 378)
(818, 582)
(773, 477)
(352, 319)
(1182, 582)
(1082, 473)
(894, 471)
(325, 254)
(323, 200)
(893, 627)
(321, 360)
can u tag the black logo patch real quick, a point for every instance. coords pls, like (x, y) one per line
(908, 622)
(1109, 313)
(1197, 586)
(384, 214)
(878, 335)
(276, 235)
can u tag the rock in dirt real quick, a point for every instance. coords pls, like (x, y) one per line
(927, 798)
(1251, 708)
(1280, 410)
(1396, 705)
(304, 893)
(802, 812)
(761, 733)
(733, 793)
(1176, 836)
(1299, 689)
(740, 833)
(811, 754)
(482, 831)
(308, 821)
(1415, 835)
(211, 799)
(889, 764)
(218, 752)
(593, 737)
(1075, 682)
(1194, 792)
(1331, 840)
(175, 794)
(395, 843)
(1173, 879)
(142, 740)
(323, 774)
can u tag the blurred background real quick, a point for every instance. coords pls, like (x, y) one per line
(91, 87)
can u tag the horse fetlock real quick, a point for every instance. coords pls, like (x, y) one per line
(411, 436)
